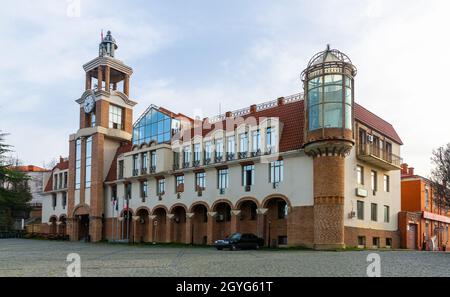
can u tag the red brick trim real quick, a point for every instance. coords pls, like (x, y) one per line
(244, 199)
(191, 209)
(172, 208)
(274, 196)
(221, 201)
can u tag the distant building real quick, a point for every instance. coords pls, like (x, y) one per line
(424, 223)
(35, 183)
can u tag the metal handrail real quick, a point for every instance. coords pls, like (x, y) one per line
(373, 150)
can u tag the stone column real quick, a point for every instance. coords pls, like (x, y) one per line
(169, 227)
(136, 222)
(100, 78)
(329, 193)
(260, 222)
(95, 229)
(235, 217)
(88, 81)
(151, 229)
(188, 237)
(58, 227)
(107, 78)
(210, 227)
(126, 85)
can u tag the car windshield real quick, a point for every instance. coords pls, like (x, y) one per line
(235, 236)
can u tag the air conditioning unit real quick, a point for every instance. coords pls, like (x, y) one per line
(222, 191)
(352, 215)
(276, 185)
(178, 195)
(248, 188)
(220, 218)
(370, 138)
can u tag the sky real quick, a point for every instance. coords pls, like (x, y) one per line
(194, 56)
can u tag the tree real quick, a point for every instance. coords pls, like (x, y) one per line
(440, 176)
(14, 190)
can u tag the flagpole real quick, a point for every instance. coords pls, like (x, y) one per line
(112, 221)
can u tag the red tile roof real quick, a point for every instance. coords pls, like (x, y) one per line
(62, 165)
(375, 122)
(291, 115)
(112, 173)
(29, 168)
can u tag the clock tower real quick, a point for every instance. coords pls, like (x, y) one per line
(106, 116)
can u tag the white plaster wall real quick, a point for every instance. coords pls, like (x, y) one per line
(297, 186)
(391, 198)
(47, 209)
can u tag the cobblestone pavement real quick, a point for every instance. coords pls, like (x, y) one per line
(48, 258)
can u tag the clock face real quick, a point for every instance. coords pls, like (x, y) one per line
(89, 104)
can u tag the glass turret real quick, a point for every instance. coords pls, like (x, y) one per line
(329, 90)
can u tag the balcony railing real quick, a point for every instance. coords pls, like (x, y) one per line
(380, 157)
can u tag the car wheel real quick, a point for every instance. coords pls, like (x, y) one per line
(233, 247)
(219, 249)
(257, 247)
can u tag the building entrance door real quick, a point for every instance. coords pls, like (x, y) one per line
(412, 237)
(83, 228)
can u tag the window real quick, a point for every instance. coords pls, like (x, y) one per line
(200, 181)
(427, 198)
(197, 152)
(55, 182)
(92, 119)
(360, 175)
(186, 156)
(373, 175)
(115, 117)
(222, 179)
(386, 214)
(179, 184)
(360, 210)
(256, 141)
(231, 147)
(161, 186)
(362, 140)
(386, 183)
(128, 191)
(362, 241)
(64, 200)
(219, 150)
(243, 143)
(60, 180)
(144, 162)
(276, 171)
(65, 180)
(326, 96)
(54, 201)
(248, 175)
(135, 165)
(376, 242)
(388, 242)
(208, 151)
(113, 193)
(282, 209)
(144, 190)
(374, 212)
(154, 126)
(88, 162)
(121, 168)
(176, 160)
(269, 139)
(153, 161)
(78, 164)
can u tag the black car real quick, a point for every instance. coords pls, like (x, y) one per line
(239, 241)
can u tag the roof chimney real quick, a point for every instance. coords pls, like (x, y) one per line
(280, 101)
(228, 114)
(411, 171)
(404, 168)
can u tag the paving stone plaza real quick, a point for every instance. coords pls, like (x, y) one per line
(49, 258)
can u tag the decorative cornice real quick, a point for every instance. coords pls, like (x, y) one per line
(108, 61)
(106, 94)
